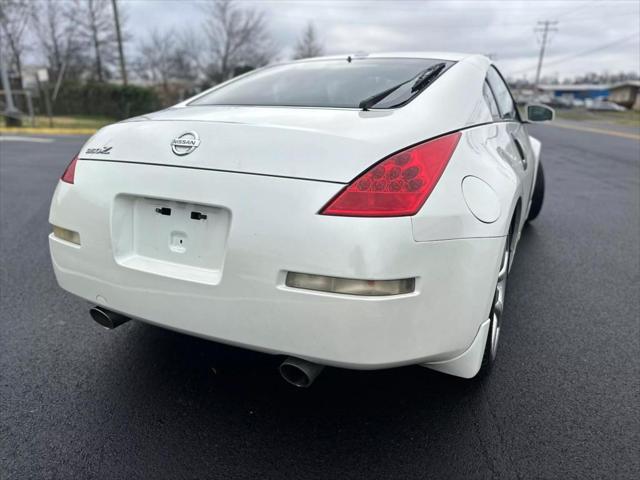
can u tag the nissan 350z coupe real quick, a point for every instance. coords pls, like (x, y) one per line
(354, 211)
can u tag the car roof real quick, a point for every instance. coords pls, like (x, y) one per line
(436, 55)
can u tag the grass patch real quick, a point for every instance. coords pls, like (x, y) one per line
(79, 121)
(630, 118)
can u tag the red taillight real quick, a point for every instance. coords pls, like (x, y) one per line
(70, 171)
(397, 186)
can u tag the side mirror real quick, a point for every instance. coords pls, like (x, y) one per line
(535, 113)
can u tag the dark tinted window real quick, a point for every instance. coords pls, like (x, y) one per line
(503, 97)
(323, 83)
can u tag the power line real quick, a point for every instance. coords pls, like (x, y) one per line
(575, 9)
(593, 50)
(439, 25)
(581, 54)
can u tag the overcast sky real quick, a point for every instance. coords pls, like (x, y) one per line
(594, 35)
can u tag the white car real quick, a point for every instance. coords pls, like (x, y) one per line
(604, 105)
(353, 211)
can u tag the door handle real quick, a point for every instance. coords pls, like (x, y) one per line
(523, 156)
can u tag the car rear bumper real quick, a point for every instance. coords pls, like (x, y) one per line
(241, 298)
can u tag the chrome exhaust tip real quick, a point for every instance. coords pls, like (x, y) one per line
(299, 373)
(107, 318)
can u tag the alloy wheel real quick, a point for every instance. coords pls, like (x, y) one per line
(498, 301)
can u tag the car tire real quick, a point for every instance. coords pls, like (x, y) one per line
(538, 195)
(496, 313)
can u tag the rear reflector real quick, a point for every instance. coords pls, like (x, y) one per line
(397, 186)
(66, 235)
(350, 286)
(70, 172)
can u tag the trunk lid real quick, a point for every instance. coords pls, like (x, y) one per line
(320, 144)
(327, 144)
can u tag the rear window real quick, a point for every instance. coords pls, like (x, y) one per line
(324, 83)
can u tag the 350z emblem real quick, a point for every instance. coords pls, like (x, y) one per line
(100, 150)
(185, 143)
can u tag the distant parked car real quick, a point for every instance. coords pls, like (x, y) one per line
(544, 99)
(604, 105)
(559, 102)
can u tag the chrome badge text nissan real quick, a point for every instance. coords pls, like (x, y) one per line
(185, 143)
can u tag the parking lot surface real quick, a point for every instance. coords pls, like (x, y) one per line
(563, 400)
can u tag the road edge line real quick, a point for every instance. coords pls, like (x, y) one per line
(613, 133)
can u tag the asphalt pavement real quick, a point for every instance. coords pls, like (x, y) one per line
(563, 400)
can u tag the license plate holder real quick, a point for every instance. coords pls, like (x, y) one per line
(171, 238)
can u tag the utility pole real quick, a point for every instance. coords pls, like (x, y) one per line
(123, 70)
(11, 113)
(545, 27)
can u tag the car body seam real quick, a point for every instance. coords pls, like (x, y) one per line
(190, 167)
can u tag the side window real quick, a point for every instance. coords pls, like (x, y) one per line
(490, 100)
(503, 97)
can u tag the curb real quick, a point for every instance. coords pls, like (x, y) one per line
(48, 131)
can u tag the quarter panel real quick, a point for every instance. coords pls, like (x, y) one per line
(485, 152)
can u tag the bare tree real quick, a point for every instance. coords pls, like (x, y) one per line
(54, 25)
(94, 17)
(188, 62)
(237, 38)
(167, 58)
(157, 58)
(14, 19)
(308, 44)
